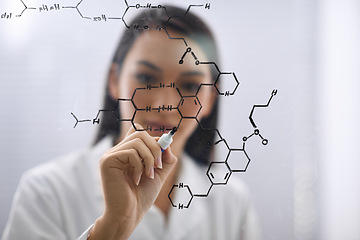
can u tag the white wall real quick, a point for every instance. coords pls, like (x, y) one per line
(55, 63)
(338, 117)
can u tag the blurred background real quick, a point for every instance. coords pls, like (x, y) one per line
(305, 182)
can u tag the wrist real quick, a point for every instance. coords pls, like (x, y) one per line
(107, 228)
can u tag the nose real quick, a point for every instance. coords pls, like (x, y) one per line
(165, 99)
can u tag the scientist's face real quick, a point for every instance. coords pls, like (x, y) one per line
(152, 71)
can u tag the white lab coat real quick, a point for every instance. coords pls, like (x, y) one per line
(62, 198)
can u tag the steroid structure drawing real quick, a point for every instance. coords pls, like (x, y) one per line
(234, 159)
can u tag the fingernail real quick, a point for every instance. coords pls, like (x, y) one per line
(159, 162)
(152, 172)
(138, 180)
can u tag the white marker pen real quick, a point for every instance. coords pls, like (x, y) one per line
(166, 139)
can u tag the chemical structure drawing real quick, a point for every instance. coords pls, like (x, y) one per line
(138, 108)
(100, 17)
(218, 172)
(232, 160)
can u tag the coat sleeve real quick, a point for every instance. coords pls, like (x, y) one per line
(35, 212)
(85, 235)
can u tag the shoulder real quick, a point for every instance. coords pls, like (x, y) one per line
(238, 188)
(67, 171)
(61, 196)
(60, 168)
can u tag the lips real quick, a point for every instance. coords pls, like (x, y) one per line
(158, 126)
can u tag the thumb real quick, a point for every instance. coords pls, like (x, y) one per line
(169, 161)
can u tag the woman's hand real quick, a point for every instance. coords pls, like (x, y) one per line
(132, 174)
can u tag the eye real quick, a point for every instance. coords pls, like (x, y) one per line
(144, 78)
(188, 88)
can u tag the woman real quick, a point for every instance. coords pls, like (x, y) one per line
(126, 195)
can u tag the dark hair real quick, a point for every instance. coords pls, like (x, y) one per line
(189, 25)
